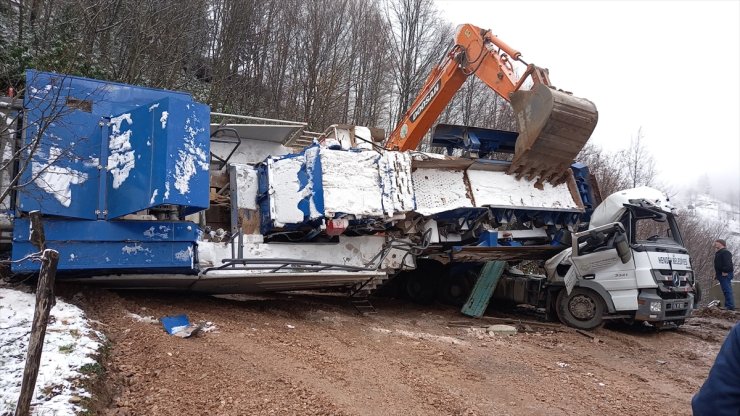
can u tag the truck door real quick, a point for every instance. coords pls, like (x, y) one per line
(600, 263)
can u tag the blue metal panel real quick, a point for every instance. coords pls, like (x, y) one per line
(582, 175)
(147, 246)
(70, 230)
(187, 156)
(488, 239)
(473, 139)
(67, 117)
(309, 173)
(115, 255)
(166, 144)
(62, 178)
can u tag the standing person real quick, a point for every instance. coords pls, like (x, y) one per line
(723, 269)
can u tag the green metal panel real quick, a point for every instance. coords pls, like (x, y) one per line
(483, 289)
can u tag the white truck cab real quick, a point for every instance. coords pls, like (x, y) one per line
(630, 263)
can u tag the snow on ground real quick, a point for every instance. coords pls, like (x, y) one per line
(69, 346)
(713, 209)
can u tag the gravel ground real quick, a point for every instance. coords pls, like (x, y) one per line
(313, 354)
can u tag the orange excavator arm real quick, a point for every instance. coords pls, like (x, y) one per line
(552, 124)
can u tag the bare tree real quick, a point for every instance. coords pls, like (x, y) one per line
(419, 39)
(639, 163)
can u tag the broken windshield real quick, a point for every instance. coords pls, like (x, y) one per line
(652, 225)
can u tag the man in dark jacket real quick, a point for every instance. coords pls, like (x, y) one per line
(723, 269)
(720, 394)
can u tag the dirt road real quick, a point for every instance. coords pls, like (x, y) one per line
(313, 354)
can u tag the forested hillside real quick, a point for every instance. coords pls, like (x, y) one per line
(319, 61)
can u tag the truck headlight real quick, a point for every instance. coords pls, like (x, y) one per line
(656, 306)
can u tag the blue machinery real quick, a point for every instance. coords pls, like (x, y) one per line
(116, 168)
(104, 151)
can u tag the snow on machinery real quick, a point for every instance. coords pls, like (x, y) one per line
(139, 191)
(118, 170)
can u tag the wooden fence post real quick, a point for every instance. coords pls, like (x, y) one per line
(44, 302)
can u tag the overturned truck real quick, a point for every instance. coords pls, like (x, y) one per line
(145, 188)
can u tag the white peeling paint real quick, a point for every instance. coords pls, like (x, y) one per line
(121, 159)
(166, 191)
(153, 106)
(54, 179)
(154, 197)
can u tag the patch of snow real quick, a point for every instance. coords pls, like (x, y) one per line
(712, 209)
(395, 178)
(162, 232)
(166, 191)
(153, 106)
(68, 346)
(247, 186)
(134, 249)
(154, 196)
(92, 163)
(499, 189)
(163, 119)
(209, 327)
(192, 157)
(439, 190)
(121, 159)
(54, 179)
(351, 183)
(185, 254)
(144, 319)
(285, 190)
(422, 336)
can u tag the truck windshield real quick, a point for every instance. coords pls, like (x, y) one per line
(649, 225)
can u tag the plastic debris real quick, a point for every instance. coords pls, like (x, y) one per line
(180, 326)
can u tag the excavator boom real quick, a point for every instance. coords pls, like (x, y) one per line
(553, 125)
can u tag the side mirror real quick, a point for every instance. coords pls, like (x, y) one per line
(623, 248)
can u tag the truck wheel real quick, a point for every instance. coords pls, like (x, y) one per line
(583, 308)
(420, 288)
(453, 290)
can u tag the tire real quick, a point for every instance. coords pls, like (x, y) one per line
(453, 290)
(582, 309)
(420, 289)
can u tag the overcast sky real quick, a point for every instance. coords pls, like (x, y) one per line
(670, 67)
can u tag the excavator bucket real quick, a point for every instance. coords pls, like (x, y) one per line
(553, 128)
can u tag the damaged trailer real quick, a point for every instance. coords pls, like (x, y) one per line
(144, 188)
